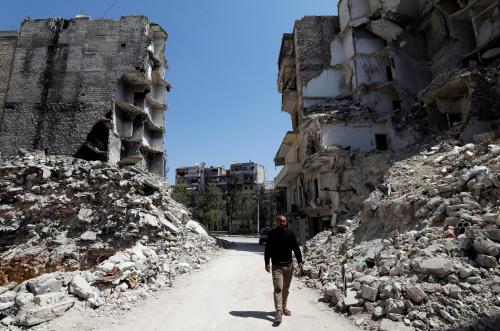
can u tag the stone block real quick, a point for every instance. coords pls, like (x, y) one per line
(438, 266)
(81, 288)
(416, 294)
(378, 312)
(486, 261)
(33, 315)
(486, 246)
(369, 293)
(23, 299)
(48, 299)
(44, 284)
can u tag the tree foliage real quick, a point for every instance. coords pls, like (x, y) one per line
(208, 206)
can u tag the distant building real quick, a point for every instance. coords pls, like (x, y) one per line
(243, 185)
(247, 176)
(217, 176)
(192, 177)
(241, 176)
(93, 89)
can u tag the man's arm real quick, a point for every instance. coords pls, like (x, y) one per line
(296, 251)
(267, 253)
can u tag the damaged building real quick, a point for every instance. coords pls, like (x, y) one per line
(246, 176)
(352, 82)
(93, 89)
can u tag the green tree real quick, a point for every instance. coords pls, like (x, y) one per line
(181, 195)
(210, 207)
(244, 210)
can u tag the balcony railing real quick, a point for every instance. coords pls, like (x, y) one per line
(289, 172)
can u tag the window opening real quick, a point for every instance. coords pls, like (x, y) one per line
(389, 74)
(396, 105)
(381, 142)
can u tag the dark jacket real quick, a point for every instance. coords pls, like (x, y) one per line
(279, 246)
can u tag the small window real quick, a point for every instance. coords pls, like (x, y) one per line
(124, 45)
(381, 142)
(389, 74)
(454, 118)
(396, 105)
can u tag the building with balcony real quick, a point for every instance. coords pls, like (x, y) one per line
(93, 89)
(193, 177)
(246, 176)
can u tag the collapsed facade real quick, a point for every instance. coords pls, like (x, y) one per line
(352, 83)
(93, 89)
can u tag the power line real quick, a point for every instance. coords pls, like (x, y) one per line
(110, 7)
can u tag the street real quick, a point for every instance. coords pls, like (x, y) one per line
(231, 292)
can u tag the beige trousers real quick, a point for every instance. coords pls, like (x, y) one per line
(282, 277)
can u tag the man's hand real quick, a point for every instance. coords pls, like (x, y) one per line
(268, 268)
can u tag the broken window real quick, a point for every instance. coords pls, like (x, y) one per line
(311, 146)
(316, 188)
(396, 105)
(96, 144)
(381, 142)
(139, 98)
(453, 119)
(389, 74)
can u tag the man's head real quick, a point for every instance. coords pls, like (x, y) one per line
(281, 221)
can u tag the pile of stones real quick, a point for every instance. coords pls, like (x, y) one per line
(74, 231)
(423, 253)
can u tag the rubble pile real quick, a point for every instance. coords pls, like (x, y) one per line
(479, 85)
(72, 229)
(423, 253)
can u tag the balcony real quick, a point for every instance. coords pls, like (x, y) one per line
(289, 101)
(136, 78)
(289, 172)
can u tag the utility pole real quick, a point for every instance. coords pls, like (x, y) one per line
(258, 215)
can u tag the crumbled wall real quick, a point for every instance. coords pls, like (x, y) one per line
(8, 42)
(63, 80)
(313, 36)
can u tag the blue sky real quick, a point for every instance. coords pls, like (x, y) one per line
(223, 55)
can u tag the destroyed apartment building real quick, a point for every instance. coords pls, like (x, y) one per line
(92, 89)
(353, 84)
(244, 189)
(246, 176)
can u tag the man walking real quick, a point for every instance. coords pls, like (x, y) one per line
(280, 244)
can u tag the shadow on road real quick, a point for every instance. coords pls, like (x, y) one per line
(263, 315)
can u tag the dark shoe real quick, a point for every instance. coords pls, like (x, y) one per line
(287, 312)
(278, 317)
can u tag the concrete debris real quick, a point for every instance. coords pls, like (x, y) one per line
(385, 29)
(426, 255)
(87, 231)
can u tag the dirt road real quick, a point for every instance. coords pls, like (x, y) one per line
(231, 292)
